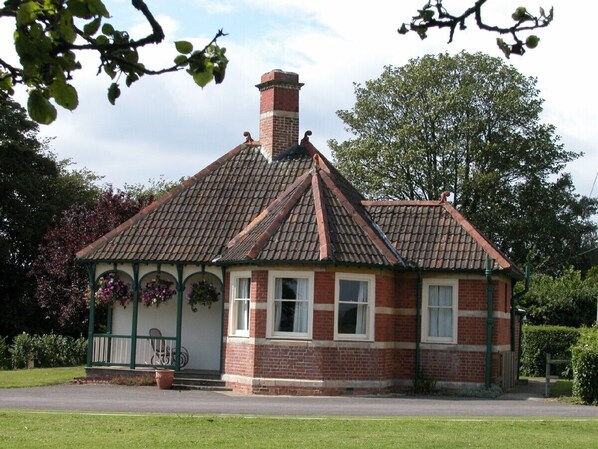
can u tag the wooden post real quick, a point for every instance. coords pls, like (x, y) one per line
(91, 271)
(179, 316)
(135, 313)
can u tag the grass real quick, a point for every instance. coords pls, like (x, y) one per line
(561, 388)
(38, 377)
(47, 430)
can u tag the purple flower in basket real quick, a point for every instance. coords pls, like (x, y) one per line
(157, 291)
(113, 290)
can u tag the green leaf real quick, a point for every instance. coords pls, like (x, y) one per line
(96, 7)
(92, 27)
(183, 47)
(109, 69)
(102, 40)
(131, 79)
(40, 109)
(6, 83)
(67, 27)
(113, 93)
(203, 78)
(132, 56)
(27, 13)
(79, 8)
(64, 94)
(532, 41)
(107, 29)
(181, 60)
(403, 29)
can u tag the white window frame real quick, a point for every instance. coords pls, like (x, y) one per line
(371, 304)
(426, 284)
(272, 276)
(233, 310)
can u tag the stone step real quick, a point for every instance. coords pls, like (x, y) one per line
(184, 381)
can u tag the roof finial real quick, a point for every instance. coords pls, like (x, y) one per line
(444, 195)
(306, 136)
(248, 138)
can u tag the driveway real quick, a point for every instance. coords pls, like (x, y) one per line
(123, 399)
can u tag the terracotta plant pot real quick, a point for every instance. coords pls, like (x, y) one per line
(164, 378)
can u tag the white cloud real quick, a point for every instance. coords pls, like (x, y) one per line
(169, 125)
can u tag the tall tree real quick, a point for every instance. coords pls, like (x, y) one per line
(469, 124)
(34, 187)
(566, 300)
(60, 281)
(50, 35)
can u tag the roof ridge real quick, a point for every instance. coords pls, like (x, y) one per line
(480, 238)
(382, 244)
(326, 249)
(264, 213)
(369, 203)
(293, 198)
(164, 198)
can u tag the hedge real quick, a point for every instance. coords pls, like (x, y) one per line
(585, 366)
(47, 351)
(537, 341)
(4, 360)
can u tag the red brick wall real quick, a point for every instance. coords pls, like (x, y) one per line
(323, 359)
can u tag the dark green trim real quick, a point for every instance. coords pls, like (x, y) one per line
(135, 313)
(109, 330)
(221, 340)
(521, 314)
(179, 316)
(418, 324)
(91, 272)
(489, 322)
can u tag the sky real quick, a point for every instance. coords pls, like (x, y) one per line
(169, 127)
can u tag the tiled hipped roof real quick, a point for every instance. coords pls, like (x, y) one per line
(296, 208)
(433, 235)
(193, 222)
(244, 208)
(313, 221)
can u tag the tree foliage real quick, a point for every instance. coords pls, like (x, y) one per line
(434, 15)
(567, 300)
(34, 187)
(50, 36)
(470, 124)
(61, 282)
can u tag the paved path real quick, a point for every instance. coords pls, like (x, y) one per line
(124, 399)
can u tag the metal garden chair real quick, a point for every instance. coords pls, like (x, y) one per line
(164, 353)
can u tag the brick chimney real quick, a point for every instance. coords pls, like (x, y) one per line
(279, 111)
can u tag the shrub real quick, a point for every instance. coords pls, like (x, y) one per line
(47, 351)
(53, 350)
(585, 366)
(537, 341)
(4, 360)
(21, 351)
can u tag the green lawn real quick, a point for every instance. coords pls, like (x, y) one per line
(39, 376)
(42, 430)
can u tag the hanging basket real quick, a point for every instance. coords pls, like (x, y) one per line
(113, 290)
(202, 293)
(157, 291)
